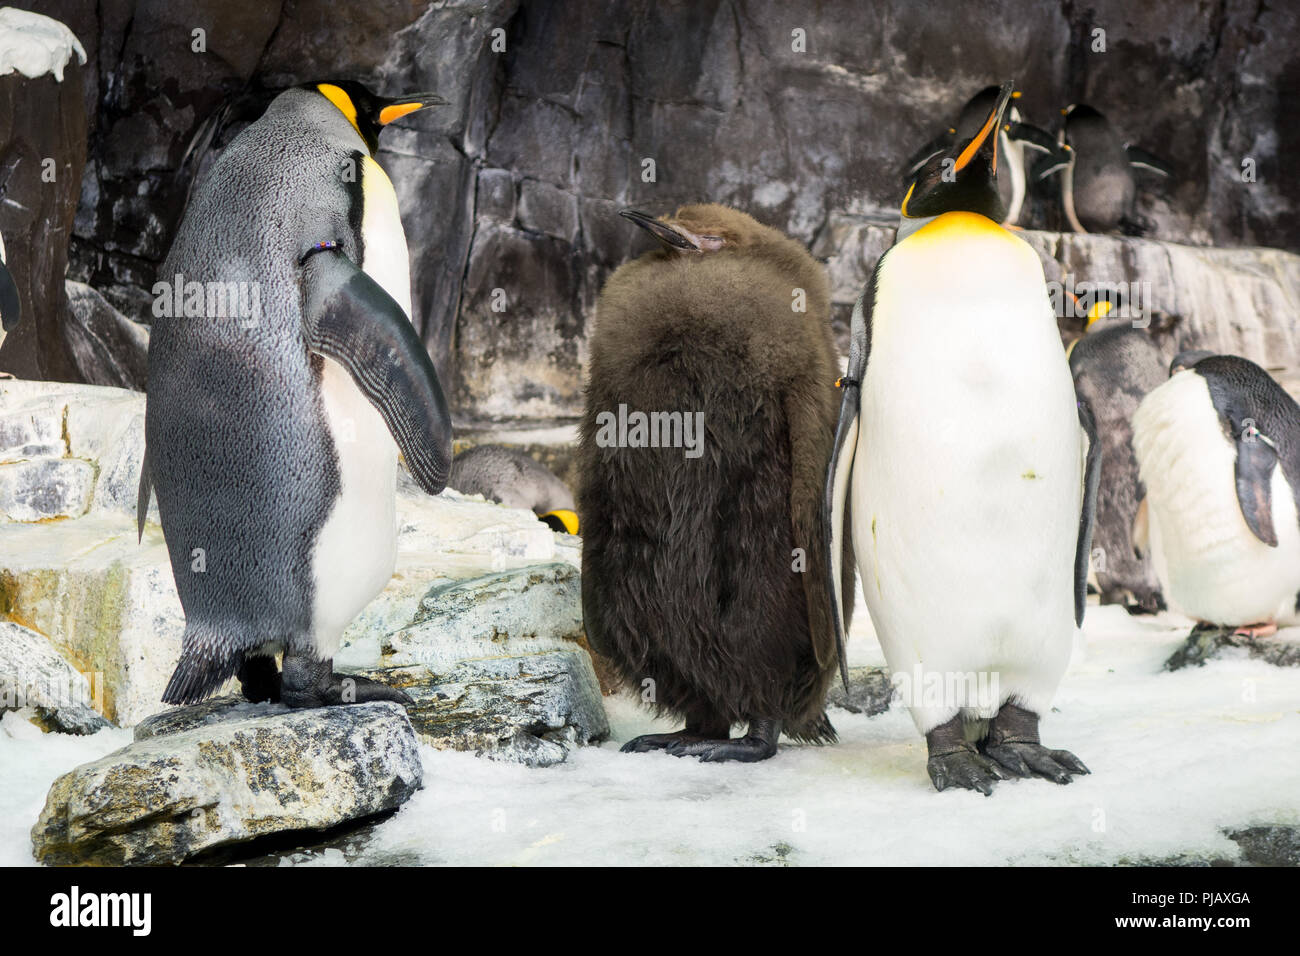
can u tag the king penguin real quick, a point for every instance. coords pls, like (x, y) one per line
(1014, 135)
(10, 305)
(1114, 368)
(1218, 448)
(273, 432)
(1098, 188)
(971, 472)
(702, 577)
(515, 479)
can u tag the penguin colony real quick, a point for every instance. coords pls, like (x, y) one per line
(958, 456)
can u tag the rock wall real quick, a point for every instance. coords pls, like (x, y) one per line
(509, 195)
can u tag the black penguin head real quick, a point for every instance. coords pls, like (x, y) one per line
(703, 228)
(964, 178)
(1188, 359)
(369, 113)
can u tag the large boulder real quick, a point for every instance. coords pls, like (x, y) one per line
(226, 772)
(33, 675)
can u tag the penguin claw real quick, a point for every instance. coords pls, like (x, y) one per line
(648, 742)
(745, 749)
(964, 768)
(1037, 760)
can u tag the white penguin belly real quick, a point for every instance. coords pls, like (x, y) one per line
(967, 475)
(1210, 565)
(356, 550)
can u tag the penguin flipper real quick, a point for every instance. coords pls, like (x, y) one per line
(353, 321)
(840, 470)
(1088, 512)
(1141, 159)
(142, 496)
(1256, 460)
(11, 308)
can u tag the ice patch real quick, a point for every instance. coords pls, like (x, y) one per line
(35, 45)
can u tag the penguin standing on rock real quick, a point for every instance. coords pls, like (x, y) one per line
(1114, 369)
(972, 474)
(1014, 135)
(702, 573)
(1098, 188)
(1218, 448)
(276, 414)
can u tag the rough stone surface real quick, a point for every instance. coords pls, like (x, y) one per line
(870, 692)
(45, 488)
(42, 153)
(530, 709)
(252, 772)
(33, 675)
(1282, 649)
(106, 347)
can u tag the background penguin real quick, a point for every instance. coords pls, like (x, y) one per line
(1218, 448)
(272, 440)
(10, 306)
(516, 480)
(1015, 136)
(704, 575)
(962, 446)
(1114, 368)
(1097, 184)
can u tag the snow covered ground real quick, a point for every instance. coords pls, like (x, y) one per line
(1176, 759)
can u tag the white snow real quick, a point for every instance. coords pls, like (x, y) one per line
(35, 45)
(1176, 758)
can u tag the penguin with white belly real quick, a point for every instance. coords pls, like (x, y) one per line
(1015, 136)
(972, 472)
(1218, 448)
(277, 408)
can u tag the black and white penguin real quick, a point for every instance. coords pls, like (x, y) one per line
(1218, 448)
(1098, 188)
(517, 480)
(702, 576)
(284, 377)
(1015, 137)
(971, 473)
(1114, 368)
(11, 308)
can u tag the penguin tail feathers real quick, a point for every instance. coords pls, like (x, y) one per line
(817, 731)
(204, 666)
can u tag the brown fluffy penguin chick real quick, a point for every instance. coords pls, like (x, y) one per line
(702, 579)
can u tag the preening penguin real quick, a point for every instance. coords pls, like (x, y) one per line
(517, 480)
(1218, 448)
(702, 572)
(971, 472)
(1014, 135)
(1098, 188)
(273, 426)
(1114, 368)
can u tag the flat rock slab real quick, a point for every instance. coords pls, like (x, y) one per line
(531, 710)
(225, 772)
(1222, 643)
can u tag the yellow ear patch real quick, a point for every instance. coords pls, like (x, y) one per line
(907, 197)
(564, 517)
(339, 98)
(397, 111)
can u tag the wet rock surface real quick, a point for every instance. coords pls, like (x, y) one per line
(187, 787)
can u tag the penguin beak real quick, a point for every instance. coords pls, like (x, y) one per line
(405, 105)
(987, 134)
(674, 236)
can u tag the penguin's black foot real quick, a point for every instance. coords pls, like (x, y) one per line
(1013, 742)
(259, 679)
(954, 762)
(311, 683)
(758, 744)
(696, 730)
